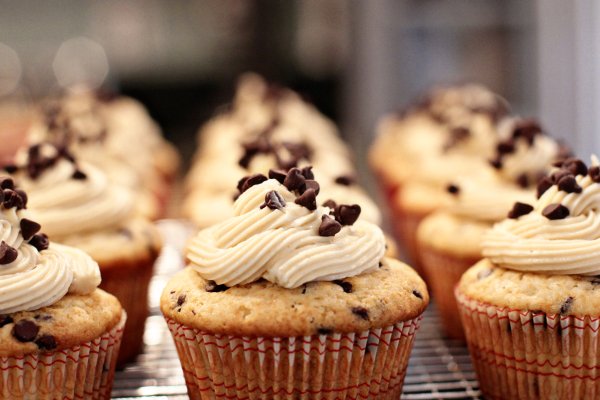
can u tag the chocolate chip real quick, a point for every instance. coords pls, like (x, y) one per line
(40, 241)
(345, 180)
(79, 175)
(294, 180)
(345, 285)
(417, 294)
(7, 183)
(523, 181)
(278, 175)
(484, 273)
(505, 147)
(380, 264)
(260, 145)
(308, 199)
(8, 253)
(25, 330)
(569, 184)
(558, 175)
(361, 312)
(566, 305)
(347, 214)
(5, 320)
(211, 286)
(273, 200)
(180, 300)
(519, 209)
(11, 169)
(249, 181)
(46, 342)
(453, 189)
(307, 172)
(330, 204)
(496, 163)
(304, 289)
(528, 130)
(22, 202)
(575, 166)
(329, 226)
(594, 173)
(312, 184)
(555, 211)
(29, 228)
(299, 151)
(324, 331)
(543, 185)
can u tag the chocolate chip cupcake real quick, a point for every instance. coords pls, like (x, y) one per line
(292, 299)
(530, 308)
(78, 206)
(59, 334)
(449, 240)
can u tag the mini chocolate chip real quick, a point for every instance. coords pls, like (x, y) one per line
(543, 185)
(594, 173)
(418, 294)
(527, 129)
(7, 183)
(40, 241)
(5, 320)
(273, 200)
(330, 204)
(558, 175)
(569, 184)
(79, 175)
(307, 199)
(496, 163)
(566, 305)
(345, 180)
(249, 181)
(380, 264)
(307, 172)
(29, 228)
(46, 342)
(523, 180)
(575, 166)
(453, 189)
(294, 180)
(506, 147)
(21, 200)
(8, 253)
(345, 285)
(11, 169)
(314, 185)
(555, 211)
(278, 175)
(361, 312)
(324, 331)
(347, 214)
(329, 226)
(180, 300)
(9, 198)
(211, 286)
(484, 273)
(304, 289)
(25, 330)
(519, 209)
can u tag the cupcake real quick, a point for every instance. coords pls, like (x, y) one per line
(59, 334)
(530, 307)
(78, 206)
(449, 240)
(291, 299)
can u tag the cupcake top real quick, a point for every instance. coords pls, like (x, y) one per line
(557, 234)
(36, 273)
(281, 232)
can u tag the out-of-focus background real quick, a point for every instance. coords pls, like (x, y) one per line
(354, 59)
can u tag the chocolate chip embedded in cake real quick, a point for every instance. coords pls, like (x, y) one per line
(345, 285)
(25, 330)
(361, 312)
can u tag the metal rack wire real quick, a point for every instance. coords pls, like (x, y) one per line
(439, 368)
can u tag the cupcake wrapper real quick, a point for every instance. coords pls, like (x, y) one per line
(85, 371)
(366, 365)
(522, 354)
(446, 270)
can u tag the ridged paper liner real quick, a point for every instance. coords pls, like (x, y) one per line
(367, 365)
(523, 354)
(85, 371)
(445, 270)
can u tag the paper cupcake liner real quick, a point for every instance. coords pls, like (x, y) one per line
(523, 354)
(445, 271)
(366, 365)
(130, 284)
(85, 371)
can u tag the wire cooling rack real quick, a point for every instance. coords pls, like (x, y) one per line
(439, 368)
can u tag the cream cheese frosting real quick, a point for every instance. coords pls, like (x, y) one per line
(35, 274)
(560, 232)
(284, 245)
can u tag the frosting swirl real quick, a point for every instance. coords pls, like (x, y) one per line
(289, 245)
(560, 233)
(36, 275)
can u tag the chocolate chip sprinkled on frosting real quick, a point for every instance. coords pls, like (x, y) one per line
(294, 181)
(543, 185)
(330, 203)
(25, 331)
(29, 228)
(453, 189)
(594, 173)
(7, 183)
(569, 184)
(11, 168)
(307, 172)
(273, 200)
(307, 199)
(40, 241)
(278, 175)
(46, 342)
(312, 184)
(361, 312)
(247, 182)
(575, 166)
(329, 226)
(345, 180)
(555, 211)
(79, 175)
(347, 214)
(8, 253)
(519, 209)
